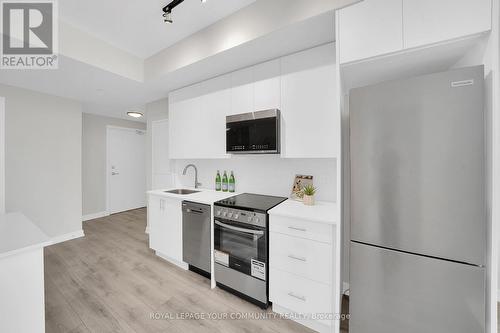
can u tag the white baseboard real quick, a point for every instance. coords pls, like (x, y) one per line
(67, 237)
(94, 216)
(182, 265)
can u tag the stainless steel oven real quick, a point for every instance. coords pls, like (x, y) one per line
(253, 132)
(241, 259)
(241, 241)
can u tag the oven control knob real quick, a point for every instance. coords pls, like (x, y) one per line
(236, 216)
(256, 220)
(230, 214)
(224, 213)
(249, 219)
(218, 212)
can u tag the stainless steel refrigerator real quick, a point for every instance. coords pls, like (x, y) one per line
(418, 207)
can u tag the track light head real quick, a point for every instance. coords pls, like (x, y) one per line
(167, 17)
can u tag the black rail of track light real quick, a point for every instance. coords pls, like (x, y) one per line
(167, 10)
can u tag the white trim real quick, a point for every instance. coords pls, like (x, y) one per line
(2, 155)
(94, 216)
(67, 237)
(180, 264)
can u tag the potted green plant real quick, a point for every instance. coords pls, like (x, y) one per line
(309, 191)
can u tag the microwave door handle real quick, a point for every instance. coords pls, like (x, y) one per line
(248, 231)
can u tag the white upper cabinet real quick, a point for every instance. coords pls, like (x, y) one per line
(184, 109)
(302, 86)
(197, 119)
(267, 83)
(242, 91)
(377, 27)
(431, 21)
(309, 107)
(211, 124)
(370, 28)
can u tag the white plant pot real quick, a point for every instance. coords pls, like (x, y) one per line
(308, 200)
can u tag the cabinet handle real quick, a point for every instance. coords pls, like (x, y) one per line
(291, 256)
(298, 229)
(302, 298)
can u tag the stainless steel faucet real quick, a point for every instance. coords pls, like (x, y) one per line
(196, 184)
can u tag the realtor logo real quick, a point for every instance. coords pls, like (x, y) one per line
(29, 34)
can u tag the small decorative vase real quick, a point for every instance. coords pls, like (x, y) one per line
(308, 200)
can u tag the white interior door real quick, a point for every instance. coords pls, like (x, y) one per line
(126, 169)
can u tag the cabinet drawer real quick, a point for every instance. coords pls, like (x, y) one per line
(302, 257)
(305, 229)
(299, 294)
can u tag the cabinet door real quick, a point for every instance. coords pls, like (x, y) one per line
(184, 108)
(431, 21)
(310, 116)
(370, 28)
(211, 122)
(172, 245)
(242, 93)
(267, 82)
(154, 219)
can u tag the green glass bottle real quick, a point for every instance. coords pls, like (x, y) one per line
(217, 181)
(231, 183)
(224, 182)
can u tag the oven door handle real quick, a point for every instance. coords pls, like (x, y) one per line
(248, 231)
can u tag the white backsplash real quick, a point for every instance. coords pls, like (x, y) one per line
(262, 174)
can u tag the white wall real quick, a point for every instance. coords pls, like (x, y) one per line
(43, 159)
(256, 20)
(94, 160)
(263, 174)
(157, 110)
(2, 155)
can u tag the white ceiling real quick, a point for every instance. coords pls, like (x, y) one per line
(137, 26)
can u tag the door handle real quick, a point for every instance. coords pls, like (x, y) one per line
(302, 298)
(291, 256)
(248, 231)
(114, 173)
(298, 229)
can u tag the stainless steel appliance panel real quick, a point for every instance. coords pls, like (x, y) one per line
(243, 283)
(394, 292)
(418, 165)
(196, 235)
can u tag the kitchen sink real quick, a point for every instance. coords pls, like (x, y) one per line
(181, 191)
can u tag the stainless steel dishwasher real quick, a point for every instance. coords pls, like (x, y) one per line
(196, 236)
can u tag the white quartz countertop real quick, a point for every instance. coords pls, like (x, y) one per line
(204, 196)
(324, 212)
(18, 234)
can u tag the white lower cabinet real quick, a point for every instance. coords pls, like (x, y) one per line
(165, 228)
(301, 279)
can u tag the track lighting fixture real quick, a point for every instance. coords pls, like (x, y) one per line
(167, 10)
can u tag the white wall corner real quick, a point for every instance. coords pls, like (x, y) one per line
(94, 216)
(67, 237)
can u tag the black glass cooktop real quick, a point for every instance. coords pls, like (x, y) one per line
(251, 202)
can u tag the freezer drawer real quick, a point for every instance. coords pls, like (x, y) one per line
(394, 292)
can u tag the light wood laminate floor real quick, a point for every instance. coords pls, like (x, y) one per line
(110, 281)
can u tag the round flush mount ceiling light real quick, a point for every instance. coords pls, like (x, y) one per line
(135, 114)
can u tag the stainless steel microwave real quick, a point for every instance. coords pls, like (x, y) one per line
(253, 132)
